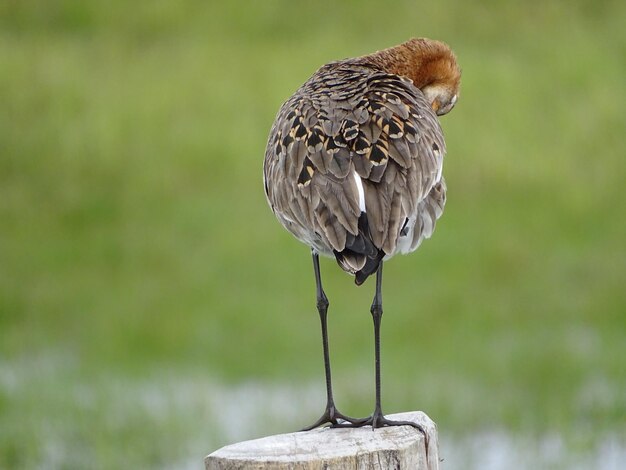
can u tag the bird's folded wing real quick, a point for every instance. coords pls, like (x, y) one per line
(350, 119)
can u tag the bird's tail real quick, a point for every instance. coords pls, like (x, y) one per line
(360, 256)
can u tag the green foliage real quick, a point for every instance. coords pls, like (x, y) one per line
(136, 245)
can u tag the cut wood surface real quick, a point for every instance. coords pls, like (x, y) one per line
(397, 447)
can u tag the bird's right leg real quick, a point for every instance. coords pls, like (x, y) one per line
(330, 415)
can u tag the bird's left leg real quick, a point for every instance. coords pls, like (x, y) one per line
(331, 414)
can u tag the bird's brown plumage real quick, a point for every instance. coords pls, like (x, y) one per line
(369, 120)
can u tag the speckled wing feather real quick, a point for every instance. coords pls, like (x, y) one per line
(352, 118)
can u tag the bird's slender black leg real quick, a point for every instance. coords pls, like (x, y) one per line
(330, 415)
(377, 419)
(377, 315)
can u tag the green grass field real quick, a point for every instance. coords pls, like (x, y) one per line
(152, 309)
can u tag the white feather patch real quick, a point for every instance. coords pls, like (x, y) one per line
(359, 187)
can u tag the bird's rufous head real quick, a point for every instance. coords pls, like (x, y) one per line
(432, 67)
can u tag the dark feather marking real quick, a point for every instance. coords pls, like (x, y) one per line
(371, 266)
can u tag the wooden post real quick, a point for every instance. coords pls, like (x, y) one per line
(397, 447)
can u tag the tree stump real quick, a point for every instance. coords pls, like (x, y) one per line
(396, 447)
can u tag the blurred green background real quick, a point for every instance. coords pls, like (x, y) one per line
(152, 309)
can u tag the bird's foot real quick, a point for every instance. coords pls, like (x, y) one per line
(336, 419)
(377, 420)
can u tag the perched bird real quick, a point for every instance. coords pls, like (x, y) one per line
(353, 169)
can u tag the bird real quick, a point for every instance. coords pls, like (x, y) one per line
(353, 169)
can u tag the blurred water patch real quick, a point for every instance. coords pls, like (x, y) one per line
(56, 416)
(499, 450)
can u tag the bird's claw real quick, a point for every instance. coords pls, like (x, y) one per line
(377, 420)
(336, 419)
